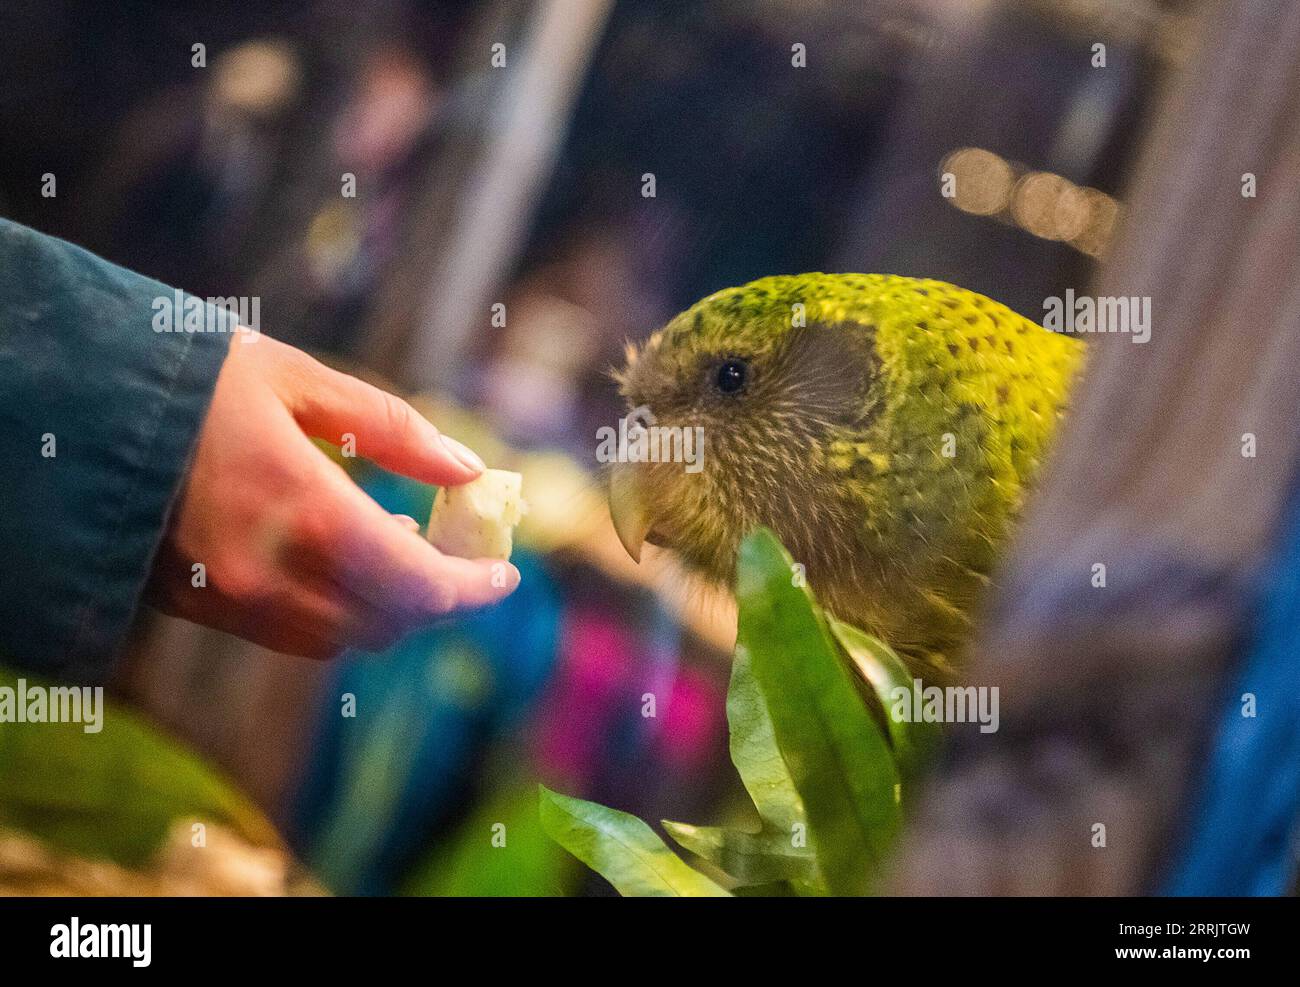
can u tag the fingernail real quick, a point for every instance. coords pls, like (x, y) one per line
(408, 521)
(464, 453)
(502, 574)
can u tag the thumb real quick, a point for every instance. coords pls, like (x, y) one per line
(330, 405)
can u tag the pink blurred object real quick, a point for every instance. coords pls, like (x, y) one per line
(579, 708)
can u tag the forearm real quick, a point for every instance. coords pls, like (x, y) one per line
(99, 413)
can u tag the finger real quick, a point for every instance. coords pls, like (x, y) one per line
(398, 572)
(331, 405)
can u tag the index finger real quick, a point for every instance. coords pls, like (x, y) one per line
(332, 405)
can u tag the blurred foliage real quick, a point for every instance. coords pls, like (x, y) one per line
(114, 794)
(824, 774)
(500, 850)
(221, 864)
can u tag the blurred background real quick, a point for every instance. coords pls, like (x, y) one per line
(535, 184)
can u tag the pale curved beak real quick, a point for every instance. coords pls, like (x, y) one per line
(627, 507)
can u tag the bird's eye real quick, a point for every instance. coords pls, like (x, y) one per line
(732, 375)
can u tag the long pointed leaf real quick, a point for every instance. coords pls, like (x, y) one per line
(775, 852)
(751, 858)
(840, 762)
(622, 849)
(914, 742)
(754, 751)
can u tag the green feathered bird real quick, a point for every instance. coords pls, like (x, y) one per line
(884, 427)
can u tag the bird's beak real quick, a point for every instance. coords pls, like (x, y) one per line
(627, 507)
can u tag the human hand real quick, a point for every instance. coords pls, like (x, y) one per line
(294, 555)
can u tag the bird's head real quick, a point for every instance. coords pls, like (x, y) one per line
(882, 426)
(760, 383)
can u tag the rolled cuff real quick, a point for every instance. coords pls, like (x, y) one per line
(100, 410)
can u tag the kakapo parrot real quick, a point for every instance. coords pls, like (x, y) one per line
(884, 427)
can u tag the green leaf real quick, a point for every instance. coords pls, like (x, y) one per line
(622, 849)
(839, 760)
(750, 858)
(114, 793)
(768, 855)
(885, 672)
(754, 751)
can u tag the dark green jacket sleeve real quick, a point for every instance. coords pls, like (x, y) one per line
(99, 413)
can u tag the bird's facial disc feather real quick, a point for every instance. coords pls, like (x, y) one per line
(882, 426)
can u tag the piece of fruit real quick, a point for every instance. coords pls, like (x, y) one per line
(476, 520)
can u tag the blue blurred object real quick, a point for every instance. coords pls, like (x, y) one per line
(1241, 838)
(378, 783)
(394, 493)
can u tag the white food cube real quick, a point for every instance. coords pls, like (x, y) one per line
(476, 520)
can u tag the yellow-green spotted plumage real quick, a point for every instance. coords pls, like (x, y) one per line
(885, 427)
